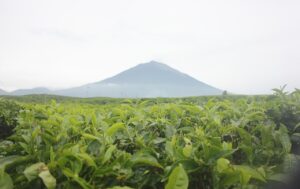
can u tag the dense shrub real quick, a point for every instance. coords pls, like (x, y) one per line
(9, 111)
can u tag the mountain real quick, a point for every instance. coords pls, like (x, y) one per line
(37, 90)
(151, 79)
(3, 92)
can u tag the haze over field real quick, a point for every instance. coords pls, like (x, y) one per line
(244, 47)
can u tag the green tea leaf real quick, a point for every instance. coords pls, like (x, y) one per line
(108, 153)
(5, 181)
(33, 171)
(88, 159)
(248, 172)
(187, 150)
(178, 179)
(90, 137)
(40, 170)
(114, 128)
(48, 179)
(285, 139)
(222, 164)
(145, 159)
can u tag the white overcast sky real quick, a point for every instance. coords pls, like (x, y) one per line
(243, 46)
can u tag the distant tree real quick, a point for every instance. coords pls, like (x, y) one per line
(224, 93)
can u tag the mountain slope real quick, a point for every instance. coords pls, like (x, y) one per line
(151, 79)
(151, 73)
(3, 92)
(37, 90)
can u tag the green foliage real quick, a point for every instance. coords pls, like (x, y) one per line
(8, 117)
(285, 109)
(208, 143)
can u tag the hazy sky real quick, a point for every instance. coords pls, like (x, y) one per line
(243, 46)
